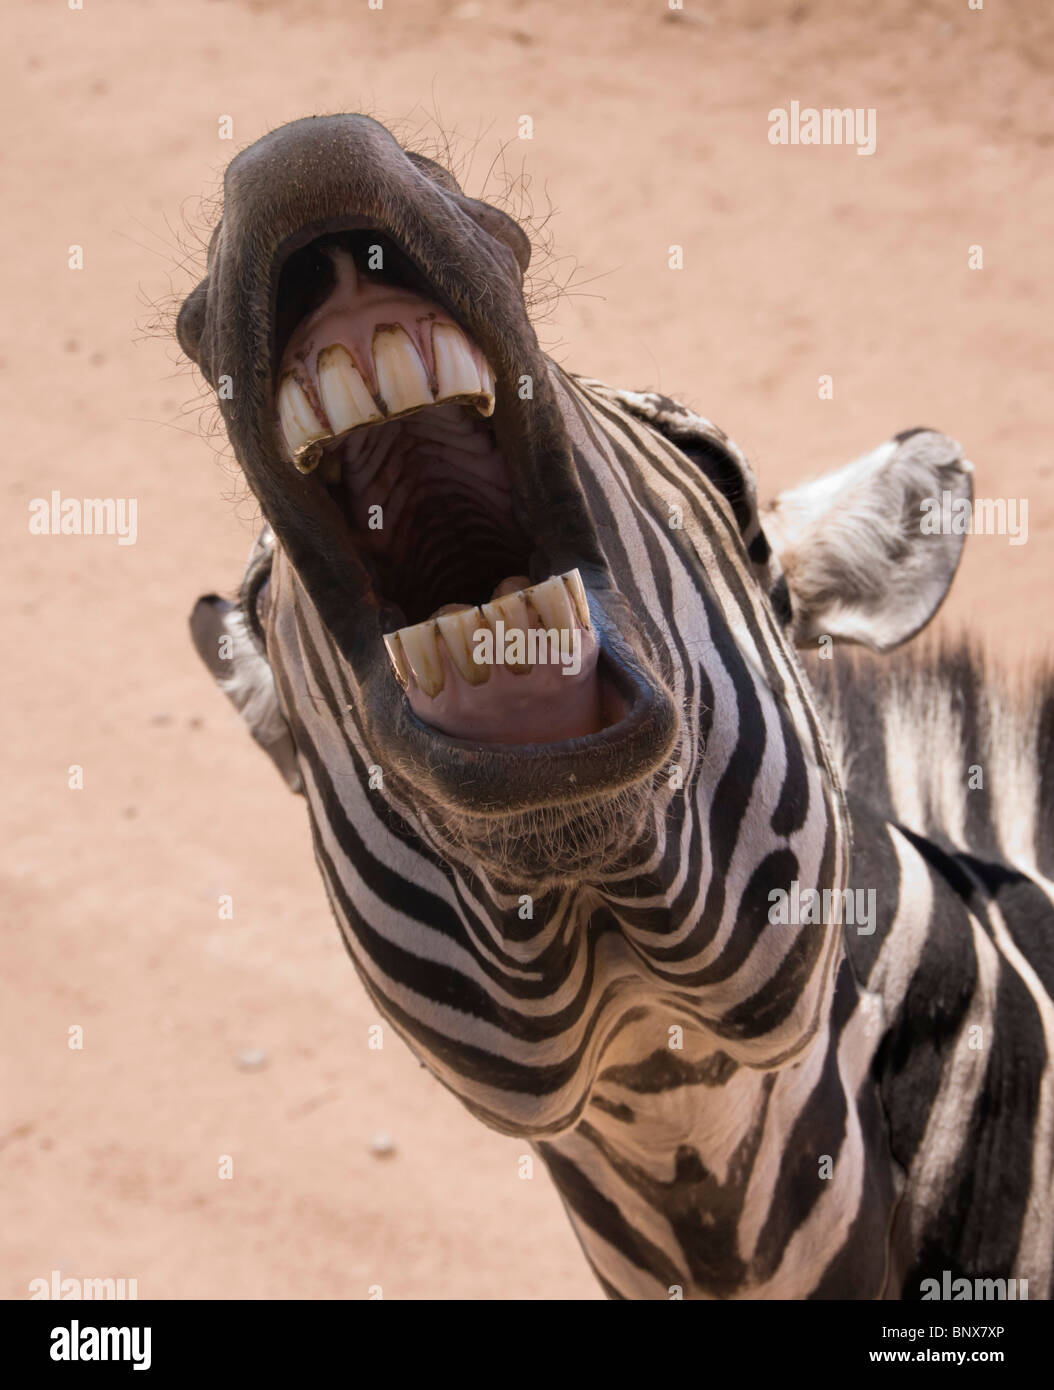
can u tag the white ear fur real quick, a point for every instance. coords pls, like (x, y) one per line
(858, 564)
(246, 679)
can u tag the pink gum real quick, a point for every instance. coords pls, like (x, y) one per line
(541, 706)
(351, 316)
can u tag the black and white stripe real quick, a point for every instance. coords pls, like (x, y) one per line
(728, 1108)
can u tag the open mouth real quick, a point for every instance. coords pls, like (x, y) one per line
(384, 398)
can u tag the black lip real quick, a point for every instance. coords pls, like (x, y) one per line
(501, 778)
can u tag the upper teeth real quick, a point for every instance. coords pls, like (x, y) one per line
(402, 385)
(455, 367)
(345, 396)
(299, 421)
(417, 651)
(402, 382)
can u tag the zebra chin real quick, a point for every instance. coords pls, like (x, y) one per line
(548, 846)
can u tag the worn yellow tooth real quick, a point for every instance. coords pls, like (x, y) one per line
(422, 652)
(402, 382)
(485, 405)
(397, 657)
(553, 603)
(306, 460)
(458, 631)
(300, 425)
(512, 585)
(344, 394)
(455, 367)
(573, 583)
(512, 610)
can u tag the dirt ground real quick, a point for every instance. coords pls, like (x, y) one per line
(247, 1037)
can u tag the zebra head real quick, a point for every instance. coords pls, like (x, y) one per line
(524, 860)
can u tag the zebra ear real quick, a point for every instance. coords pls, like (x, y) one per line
(861, 556)
(223, 641)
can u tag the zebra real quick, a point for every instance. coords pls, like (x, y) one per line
(569, 895)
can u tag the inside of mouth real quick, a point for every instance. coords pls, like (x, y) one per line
(426, 494)
(423, 488)
(429, 504)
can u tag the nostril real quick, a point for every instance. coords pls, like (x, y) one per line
(502, 228)
(190, 322)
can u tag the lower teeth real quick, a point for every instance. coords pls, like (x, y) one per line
(416, 652)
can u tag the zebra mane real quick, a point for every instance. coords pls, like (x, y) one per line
(717, 456)
(944, 739)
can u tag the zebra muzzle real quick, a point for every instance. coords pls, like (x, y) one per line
(389, 405)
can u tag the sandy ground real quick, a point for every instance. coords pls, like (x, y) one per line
(649, 131)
